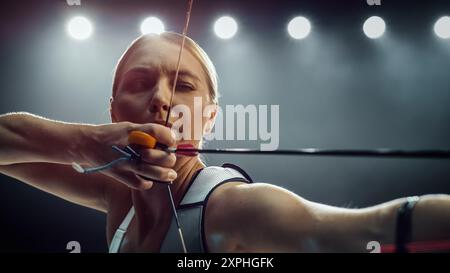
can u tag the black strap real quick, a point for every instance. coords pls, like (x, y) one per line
(404, 229)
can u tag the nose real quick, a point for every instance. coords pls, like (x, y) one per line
(161, 97)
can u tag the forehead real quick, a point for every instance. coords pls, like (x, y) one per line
(158, 52)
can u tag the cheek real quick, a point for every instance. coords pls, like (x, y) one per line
(129, 108)
(196, 120)
(197, 109)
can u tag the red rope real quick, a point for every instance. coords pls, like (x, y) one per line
(424, 246)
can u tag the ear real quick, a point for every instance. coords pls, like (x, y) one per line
(111, 111)
(211, 118)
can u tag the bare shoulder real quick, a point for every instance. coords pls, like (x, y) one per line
(235, 204)
(244, 196)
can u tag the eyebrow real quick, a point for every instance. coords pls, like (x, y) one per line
(138, 70)
(149, 69)
(186, 73)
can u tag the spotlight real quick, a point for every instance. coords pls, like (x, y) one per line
(442, 27)
(374, 27)
(299, 27)
(79, 28)
(152, 25)
(225, 27)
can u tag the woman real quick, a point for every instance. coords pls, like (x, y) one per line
(236, 215)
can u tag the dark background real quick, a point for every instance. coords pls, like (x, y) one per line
(336, 89)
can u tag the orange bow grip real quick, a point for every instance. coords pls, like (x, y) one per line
(141, 138)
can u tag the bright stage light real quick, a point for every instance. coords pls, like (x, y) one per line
(79, 28)
(299, 27)
(374, 27)
(442, 27)
(225, 27)
(152, 25)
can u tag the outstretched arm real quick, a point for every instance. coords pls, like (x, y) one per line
(265, 218)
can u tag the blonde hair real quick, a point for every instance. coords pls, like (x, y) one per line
(190, 45)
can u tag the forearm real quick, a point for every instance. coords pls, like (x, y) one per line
(350, 230)
(28, 138)
(430, 218)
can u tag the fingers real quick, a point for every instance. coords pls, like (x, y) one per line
(155, 165)
(143, 176)
(162, 134)
(157, 157)
(153, 172)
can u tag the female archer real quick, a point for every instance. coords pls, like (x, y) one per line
(219, 209)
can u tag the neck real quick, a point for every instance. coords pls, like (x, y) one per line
(153, 206)
(186, 167)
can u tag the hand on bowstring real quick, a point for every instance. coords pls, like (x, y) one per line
(104, 145)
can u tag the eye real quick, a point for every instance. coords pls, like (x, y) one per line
(184, 86)
(139, 85)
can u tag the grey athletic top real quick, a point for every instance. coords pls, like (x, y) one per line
(190, 211)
